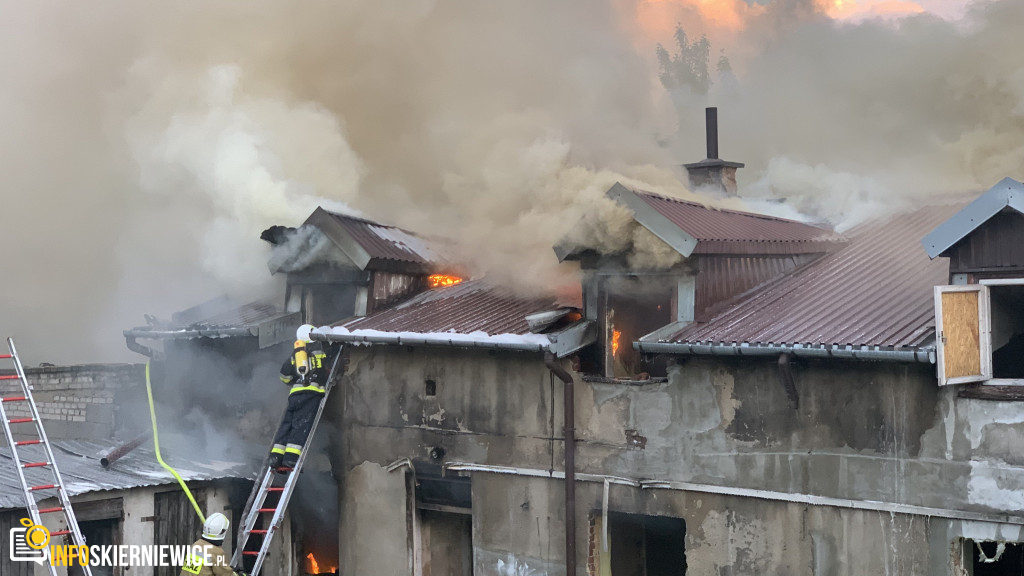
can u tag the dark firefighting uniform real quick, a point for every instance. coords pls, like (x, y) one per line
(303, 401)
(196, 564)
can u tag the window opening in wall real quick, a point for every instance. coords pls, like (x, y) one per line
(446, 541)
(980, 332)
(638, 546)
(1007, 310)
(633, 306)
(444, 508)
(430, 388)
(101, 533)
(100, 523)
(314, 521)
(994, 558)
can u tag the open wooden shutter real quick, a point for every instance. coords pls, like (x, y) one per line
(963, 339)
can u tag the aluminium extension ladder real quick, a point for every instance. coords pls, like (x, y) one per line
(36, 460)
(268, 483)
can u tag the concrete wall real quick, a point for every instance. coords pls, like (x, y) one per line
(77, 402)
(904, 469)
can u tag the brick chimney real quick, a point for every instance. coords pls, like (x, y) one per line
(713, 172)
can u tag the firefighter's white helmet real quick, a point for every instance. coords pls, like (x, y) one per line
(303, 333)
(216, 527)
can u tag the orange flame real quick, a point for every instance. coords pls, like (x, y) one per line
(438, 280)
(313, 567)
(615, 341)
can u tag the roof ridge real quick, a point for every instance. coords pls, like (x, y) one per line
(729, 210)
(363, 220)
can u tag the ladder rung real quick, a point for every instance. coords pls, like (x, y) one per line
(268, 509)
(42, 487)
(48, 510)
(3, 356)
(27, 442)
(21, 420)
(13, 399)
(257, 531)
(276, 489)
(246, 552)
(35, 464)
(10, 377)
(60, 532)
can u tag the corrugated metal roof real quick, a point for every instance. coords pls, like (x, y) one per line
(471, 306)
(80, 469)
(223, 312)
(877, 291)
(385, 242)
(719, 231)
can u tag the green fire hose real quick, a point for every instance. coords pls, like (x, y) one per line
(156, 446)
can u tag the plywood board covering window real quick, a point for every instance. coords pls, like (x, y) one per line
(962, 324)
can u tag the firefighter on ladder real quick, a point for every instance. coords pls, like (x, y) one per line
(306, 371)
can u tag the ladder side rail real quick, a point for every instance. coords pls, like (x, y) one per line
(257, 497)
(62, 494)
(293, 476)
(30, 502)
(276, 519)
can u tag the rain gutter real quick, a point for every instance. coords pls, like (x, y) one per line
(924, 355)
(132, 335)
(187, 334)
(429, 341)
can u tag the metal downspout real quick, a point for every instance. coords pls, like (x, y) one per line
(570, 461)
(134, 346)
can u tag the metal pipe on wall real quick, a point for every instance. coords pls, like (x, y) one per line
(570, 460)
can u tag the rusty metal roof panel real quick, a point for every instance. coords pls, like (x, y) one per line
(877, 291)
(471, 306)
(720, 231)
(384, 242)
(82, 473)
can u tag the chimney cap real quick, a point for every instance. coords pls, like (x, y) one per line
(714, 163)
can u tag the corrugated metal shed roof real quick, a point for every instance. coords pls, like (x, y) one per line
(223, 312)
(371, 245)
(80, 468)
(471, 306)
(719, 231)
(877, 291)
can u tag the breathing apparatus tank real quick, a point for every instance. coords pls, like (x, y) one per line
(301, 358)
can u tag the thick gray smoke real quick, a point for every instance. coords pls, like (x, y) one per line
(147, 145)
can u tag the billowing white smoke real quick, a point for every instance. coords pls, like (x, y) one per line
(147, 145)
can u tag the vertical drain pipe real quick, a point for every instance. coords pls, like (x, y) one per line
(570, 461)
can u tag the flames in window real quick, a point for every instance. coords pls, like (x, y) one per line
(439, 280)
(616, 334)
(314, 567)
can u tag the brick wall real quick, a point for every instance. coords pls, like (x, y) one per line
(80, 401)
